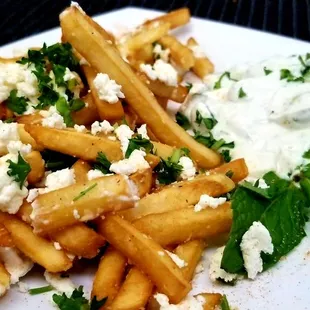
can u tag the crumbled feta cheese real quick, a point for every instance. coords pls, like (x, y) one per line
(132, 164)
(84, 62)
(59, 179)
(262, 184)
(143, 132)
(216, 271)
(15, 263)
(208, 201)
(57, 246)
(8, 133)
(198, 88)
(76, 214)
(108, 90)
(200, 268)
(177, 260)
(103, 126)
(62, 285)
(22, 287)
(161, 71)
(256, 240)
(52, 119)
(17, 146)
(189, 169)
(32, 194)
(11, 196)
(161, 53)
(94, 174)
(69, 75)
(123, 134)
(197, 51)
(80, 128)
(3, 289)
(189, 303)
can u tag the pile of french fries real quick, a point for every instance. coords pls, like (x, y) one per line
(139, 232)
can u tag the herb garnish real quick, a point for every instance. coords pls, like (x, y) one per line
(40, 290)
(287, 74)
(56, 161)
(218, 84)
(16, 104)
(224, 303)
(209, 122)
(267, 71)
(241, 93)
(84, 192)
(102, 163)
(19, 171)
(137, 143)
(183, 121)
(189, 86)
(306, 154)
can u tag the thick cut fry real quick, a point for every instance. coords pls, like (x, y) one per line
(163, 150)
(144, 54)
(183, 225)
(34, 119)
(162, 101)
(147, 255)
(212, 300)
(109, 276)
(203, 65)
(237, 167)
(104, 58)
(26, 138)
(180, 53)
(159, 88)
(105, 110)
(175, 18)
(37, 165)
(5, 237)
(179, 195)
(35, 247)
(5, 279)
(81, 168)
(134, 292)
(88, 114)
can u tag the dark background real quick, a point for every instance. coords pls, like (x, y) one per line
(20, 18)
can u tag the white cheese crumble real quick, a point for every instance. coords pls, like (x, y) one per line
(262, 184)
(62, 285)
(94, 174)
(80, 128)
(132, 164)
(215, 270)
(161, 71)
(189, 169)
(256, 240)
(69, 75)
(84, 62)
(11, 196)
(143, 132)
(76, 214)
(189, 303)
(108, 90)
(123, 134)
(32, 194)
(57, 246)
(15, 263)
(8, 133)
(59, 179)
(208, 201)
(23, 287)
(197, 51)
(103, 126)
(52, 119)
(177, 260)
(17, 146)
(161, 53)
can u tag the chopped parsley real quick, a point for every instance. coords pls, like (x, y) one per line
(59, 72)
(287, 74)
(84, 192)
(241, 93)
(267, 71)
(56, 161)
(137, 143)
(102, 163)
(40, 290)
(226, 155)
(224, 303)
(189, 86)
(183, 121)
(218, 84)
(306, 154)
(209, 122)
(16, 104)
(19, 171)
(229, 174)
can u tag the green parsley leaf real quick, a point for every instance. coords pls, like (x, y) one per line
(76, 105)
(302, 61)
(19, 171)
(183, 121)
(226, 155)
(9, 120)
(263, 192)
(267, 71)
(224, 303)
(34, 57)
(102, 163)
(229, 174)
(305, 186)
(241, 93)
(206, 140)
(16, 104)
(84, 192)
(218, 84)
(64, 110)
(59, 72)
(208, 122)
(306, 154)
(76, 301)
(97, 304)
(56, 161)
(137, 143)
(287, 74)
(189, 86)
(40, 290)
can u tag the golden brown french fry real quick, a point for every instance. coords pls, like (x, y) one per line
(162, 101)
(179, 195)
(37, 166)
(180, 53)
(237, 167)
(5, 112)
(159, 88)
(26, 138)
(134, 293)
(212, 300)
(88, 114)
(183, 225)
(163, 150)
(5, 279)
(144, 54)
(81, 168)
(175, 18)
(34, 119)
(35, 247)
(109, 276)
(146, 255)
(9, 60)
(24, 212)
(5, 237)
(105, 110)
(104, 58)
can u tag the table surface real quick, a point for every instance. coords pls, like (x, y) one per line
(20, 18)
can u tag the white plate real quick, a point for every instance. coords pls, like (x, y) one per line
(285, 287)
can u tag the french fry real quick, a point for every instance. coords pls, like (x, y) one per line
(104, 58)
(81, 168)
(183, 225)
(25, 211)
(5, 237)
(35, 119)
(26, 138)
(109, 276)
(163, 150)
(134, 293)
(85, 201)
(180, 53)
(105, 110)
(203, 65)
(88, 114)
(144, 54)
(37, 165)
(162, 101)
(5, 279)
(5, 112)
(212, 300)
(159, 88)
(146, 255)
(35, 247)
(237, 167)
(176, 18)
(179, 195)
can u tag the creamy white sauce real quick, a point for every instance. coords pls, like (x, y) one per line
(270, 125)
